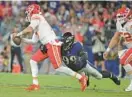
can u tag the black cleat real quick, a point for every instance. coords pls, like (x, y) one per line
(88, 83)
(116, 80)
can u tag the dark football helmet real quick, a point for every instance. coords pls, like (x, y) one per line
(68, 40)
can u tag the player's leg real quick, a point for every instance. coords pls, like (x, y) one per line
(37, 57)
(99, 60)
(89, 70)
(54, 53)
(126, 60)
(128, 69)
(82, 78)
(19, 58)
(110, 75)
(12, 58)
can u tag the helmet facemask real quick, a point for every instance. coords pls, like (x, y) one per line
(121, 18)
(28, 17)
(67, 42)
(122, 14)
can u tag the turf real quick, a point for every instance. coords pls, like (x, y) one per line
(13, 85)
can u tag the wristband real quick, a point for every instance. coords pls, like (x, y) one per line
(108, 49)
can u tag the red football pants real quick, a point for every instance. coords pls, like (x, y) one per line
(53, 52)
(127, 57)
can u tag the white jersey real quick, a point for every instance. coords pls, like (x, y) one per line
(43, 29)
(126, 33)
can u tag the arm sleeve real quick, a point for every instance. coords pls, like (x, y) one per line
(31, 41)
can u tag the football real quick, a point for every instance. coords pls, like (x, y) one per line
(17, 40)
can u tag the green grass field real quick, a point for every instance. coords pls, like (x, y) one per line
(13, 85)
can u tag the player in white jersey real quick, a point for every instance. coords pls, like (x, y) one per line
(43, 32)
(124, 32)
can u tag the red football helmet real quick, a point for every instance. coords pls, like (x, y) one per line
(32, 9)
(122, 14)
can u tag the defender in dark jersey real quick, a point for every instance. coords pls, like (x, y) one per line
(76, 58)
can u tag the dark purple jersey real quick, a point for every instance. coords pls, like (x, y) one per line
(75, 58)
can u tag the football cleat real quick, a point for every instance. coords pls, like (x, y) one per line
(88, 83)
(116, 80)
(33, 87)
(83, 82)
(129, 88)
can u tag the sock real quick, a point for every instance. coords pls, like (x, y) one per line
(106, 74)
(68, 71)
(34, 70)
(35, 81)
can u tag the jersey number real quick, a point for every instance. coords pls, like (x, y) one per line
(67, 60)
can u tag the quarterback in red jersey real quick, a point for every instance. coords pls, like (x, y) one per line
(44, 33)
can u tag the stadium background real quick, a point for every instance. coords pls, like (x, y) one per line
(82, 18)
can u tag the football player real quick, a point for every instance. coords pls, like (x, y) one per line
(76, 58)
(124, 32)
(44, 33)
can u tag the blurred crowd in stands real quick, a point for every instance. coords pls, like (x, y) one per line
(87, 20)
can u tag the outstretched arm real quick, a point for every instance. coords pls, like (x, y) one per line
(25, 31)
(31, 41)
(34, 23)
